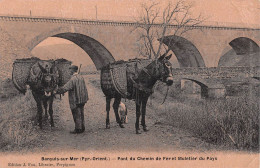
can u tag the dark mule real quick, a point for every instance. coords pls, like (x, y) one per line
(139, 88)
(43, 80)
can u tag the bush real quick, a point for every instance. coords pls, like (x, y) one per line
(16, 123)
(7, 90)
(231, 122)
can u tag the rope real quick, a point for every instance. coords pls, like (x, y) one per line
(165, 95)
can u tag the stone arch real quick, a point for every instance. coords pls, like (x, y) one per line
(244, 45)
(203, 86)
(243, 50)
(209, 88)
(97, 52)
(186, 52)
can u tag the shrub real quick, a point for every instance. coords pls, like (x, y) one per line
(233, 121)
(16, 124)
(7, 90)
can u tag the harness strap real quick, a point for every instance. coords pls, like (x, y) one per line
(148, 73)
(141, 87)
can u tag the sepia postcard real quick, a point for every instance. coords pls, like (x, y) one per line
(129, 83)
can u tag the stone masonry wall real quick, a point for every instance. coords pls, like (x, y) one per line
(9, 51)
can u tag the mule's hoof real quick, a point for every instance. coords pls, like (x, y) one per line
(137, 131)
(121, 126)
(145, 129)
(53, 128)
(107, 126)
(77, 131)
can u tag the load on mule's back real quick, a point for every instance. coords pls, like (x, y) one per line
(43, 77)
(125, 79)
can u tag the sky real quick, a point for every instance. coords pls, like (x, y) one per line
(218, 12)
(222, 11)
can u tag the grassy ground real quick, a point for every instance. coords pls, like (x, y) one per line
(7, 90)
(16, 124)
(18, 119)
(233, 122)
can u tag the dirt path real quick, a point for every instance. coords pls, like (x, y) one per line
(96, 137)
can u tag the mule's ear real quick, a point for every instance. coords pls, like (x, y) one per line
(168, 57)
(40, 66)
(53, 66)
(162, 57)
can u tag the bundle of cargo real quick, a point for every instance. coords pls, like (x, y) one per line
(117, 75)
(22, 68)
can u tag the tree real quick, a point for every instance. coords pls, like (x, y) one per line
(174, 19)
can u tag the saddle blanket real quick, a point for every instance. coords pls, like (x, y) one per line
(120, 73)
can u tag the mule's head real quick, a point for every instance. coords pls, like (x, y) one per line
(164, 69)
(49, 76)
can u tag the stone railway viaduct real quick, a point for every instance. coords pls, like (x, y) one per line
(197, 52)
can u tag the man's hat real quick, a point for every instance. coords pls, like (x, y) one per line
(74, 67)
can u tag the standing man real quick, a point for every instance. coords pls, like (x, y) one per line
(78, 96)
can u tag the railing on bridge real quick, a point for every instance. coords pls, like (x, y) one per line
(207, 25)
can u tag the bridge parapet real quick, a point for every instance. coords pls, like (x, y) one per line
(114, 23)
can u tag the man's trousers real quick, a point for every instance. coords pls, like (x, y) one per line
(78, 116)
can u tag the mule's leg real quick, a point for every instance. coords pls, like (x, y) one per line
(39, 109)
(144, 102)
(138, 104)
(108, 100)
(50, 103)
(46, 107)
(115, 107)
(39, 112)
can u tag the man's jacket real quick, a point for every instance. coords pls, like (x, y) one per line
(76, 87)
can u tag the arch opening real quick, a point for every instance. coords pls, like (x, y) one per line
(187, 54)
(195, 86)
(96, 51)
(56, 48)
(244, 45)
(244, 52)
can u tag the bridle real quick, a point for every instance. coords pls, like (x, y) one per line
(48, 84)
(158, 75)
(167, 73)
